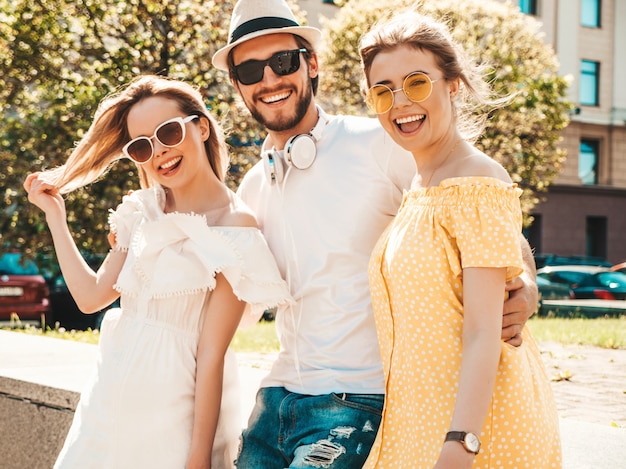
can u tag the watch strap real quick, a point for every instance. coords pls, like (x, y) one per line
(455, 436)
(461, 437)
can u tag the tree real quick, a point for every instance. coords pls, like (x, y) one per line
(522, 136)
(59, 58)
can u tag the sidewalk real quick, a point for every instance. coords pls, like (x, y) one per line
(589, 383)
(592, 402)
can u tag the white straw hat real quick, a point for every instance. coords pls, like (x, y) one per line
(254, 18)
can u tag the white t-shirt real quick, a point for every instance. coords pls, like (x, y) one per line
(321, 224)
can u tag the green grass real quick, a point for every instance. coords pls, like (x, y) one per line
(88, 337)
(605, 333)
(259, 338)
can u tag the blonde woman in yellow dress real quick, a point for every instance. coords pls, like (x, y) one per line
(457, 396)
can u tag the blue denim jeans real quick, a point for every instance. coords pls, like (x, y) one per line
(289, 430)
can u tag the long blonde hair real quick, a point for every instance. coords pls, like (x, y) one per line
(102, 145)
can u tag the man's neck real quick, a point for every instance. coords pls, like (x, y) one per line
(278, 140)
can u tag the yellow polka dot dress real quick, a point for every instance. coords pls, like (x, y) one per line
(416, 283)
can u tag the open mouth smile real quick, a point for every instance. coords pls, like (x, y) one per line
(170, 164)
(410, 124)
(276, 97)
(406, 120)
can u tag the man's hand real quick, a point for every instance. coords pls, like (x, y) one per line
(521, 305)
(112, 239)
(522, 299)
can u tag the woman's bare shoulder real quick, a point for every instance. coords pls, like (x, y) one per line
(239, 214)
(480, 164)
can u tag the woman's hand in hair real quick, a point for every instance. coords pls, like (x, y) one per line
(45, 196)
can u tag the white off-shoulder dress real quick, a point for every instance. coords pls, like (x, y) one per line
(137, 411)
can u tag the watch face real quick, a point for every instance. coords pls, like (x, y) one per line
(472, 443)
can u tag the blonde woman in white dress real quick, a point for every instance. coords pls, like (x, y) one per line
(187, 258)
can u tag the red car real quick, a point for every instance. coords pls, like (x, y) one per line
(24, 294)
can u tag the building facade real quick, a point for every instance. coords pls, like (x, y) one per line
(584, 210)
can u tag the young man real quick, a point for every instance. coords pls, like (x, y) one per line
(324, 191)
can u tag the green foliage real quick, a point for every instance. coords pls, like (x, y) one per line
(522, 136)
(59, 58)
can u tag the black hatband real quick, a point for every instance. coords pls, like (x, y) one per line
(260, 24)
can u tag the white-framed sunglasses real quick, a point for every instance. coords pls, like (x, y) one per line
(170, 133)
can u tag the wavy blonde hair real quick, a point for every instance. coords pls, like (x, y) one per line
(102, 145)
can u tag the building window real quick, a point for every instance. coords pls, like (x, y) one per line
(589, 72)
(596, 237)
(528, 6)
(590, 13)
(588, 162)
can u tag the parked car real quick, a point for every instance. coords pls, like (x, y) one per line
(588, 282)
(64, 309)
(24, 294)
(543, 260)
(552, 290)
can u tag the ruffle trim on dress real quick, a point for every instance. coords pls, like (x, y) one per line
(178, 254)
(122, 220)
(467, 192)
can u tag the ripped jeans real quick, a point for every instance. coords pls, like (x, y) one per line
(289, 430)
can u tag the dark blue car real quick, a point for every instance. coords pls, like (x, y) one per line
(588, 282)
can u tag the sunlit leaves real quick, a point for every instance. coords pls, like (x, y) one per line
(524, 136)
(59, 58)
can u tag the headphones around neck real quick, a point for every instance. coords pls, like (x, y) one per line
(299, 152)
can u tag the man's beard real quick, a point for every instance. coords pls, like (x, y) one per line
(281, 125)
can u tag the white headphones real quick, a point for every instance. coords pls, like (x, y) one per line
(300, 152)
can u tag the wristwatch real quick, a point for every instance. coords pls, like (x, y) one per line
(469, 440)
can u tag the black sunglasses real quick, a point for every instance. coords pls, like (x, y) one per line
(282, 63)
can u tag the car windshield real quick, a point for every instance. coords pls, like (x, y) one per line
(612, 279)
(12, 264)
(569, 277)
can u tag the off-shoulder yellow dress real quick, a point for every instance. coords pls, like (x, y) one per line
(416, 283)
